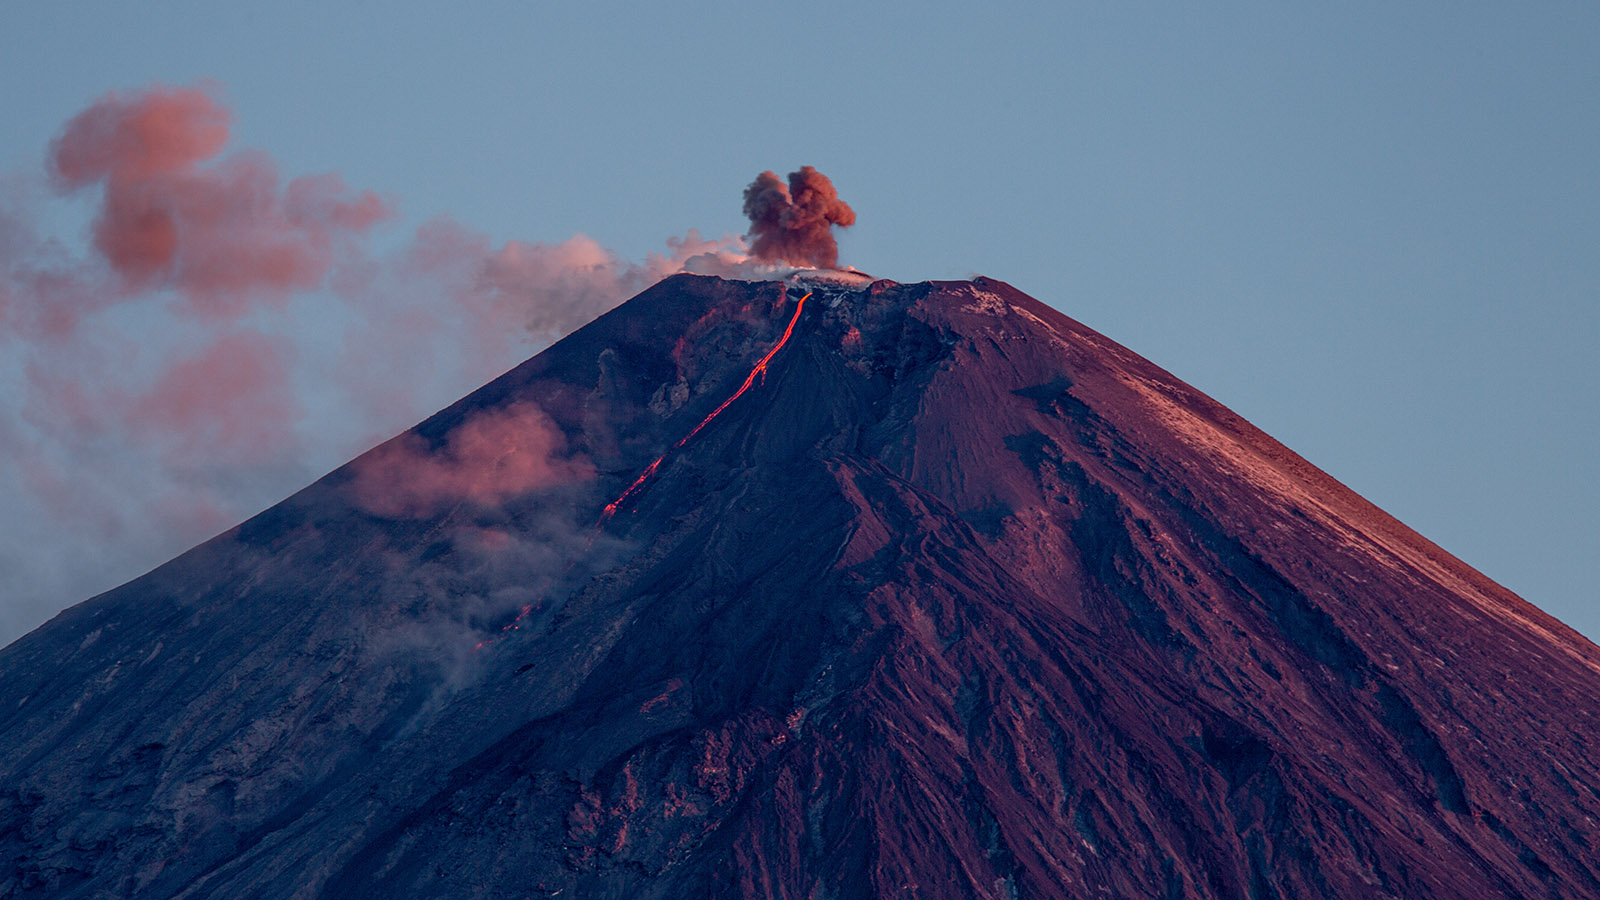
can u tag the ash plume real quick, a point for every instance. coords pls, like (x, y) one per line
(794, 223)
(491, 457)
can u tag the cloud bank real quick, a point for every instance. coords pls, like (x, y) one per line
(221, 335)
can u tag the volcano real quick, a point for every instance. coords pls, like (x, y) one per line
(956, 598)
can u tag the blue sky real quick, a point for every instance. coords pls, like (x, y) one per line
(1371, 229)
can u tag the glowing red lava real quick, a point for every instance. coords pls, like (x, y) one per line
(759, 370)
(513, 625)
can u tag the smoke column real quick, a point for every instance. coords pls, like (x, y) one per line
(794, 223)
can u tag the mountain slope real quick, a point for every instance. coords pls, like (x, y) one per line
(959, 599)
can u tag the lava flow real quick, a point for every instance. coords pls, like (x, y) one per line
(650, 470)
(513, 625)
(760, 369)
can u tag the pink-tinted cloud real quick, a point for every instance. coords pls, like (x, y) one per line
(526, 288)
(222, 235)
(492, 457)
(229, 403)
(543, 290)
(44, 290)
(794, 223)
(136, 136)
(140, 414)
(232, 401)
(452, 310)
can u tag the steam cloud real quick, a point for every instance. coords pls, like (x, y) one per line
(219, 236)
(794, 223)
(224, 335)
(491, 457)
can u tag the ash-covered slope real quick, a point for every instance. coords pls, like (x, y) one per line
(959, 599)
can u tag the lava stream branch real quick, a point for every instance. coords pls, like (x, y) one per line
(760, 371)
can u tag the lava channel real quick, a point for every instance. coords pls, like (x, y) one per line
(760, 370)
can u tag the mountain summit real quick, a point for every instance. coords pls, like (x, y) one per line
(809, 591)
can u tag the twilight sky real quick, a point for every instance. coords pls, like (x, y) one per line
(1373, 231)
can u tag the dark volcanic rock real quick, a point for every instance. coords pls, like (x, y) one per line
(960, 600)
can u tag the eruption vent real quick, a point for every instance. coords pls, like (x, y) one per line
(794, 223)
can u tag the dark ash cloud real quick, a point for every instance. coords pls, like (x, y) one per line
(794, 223)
